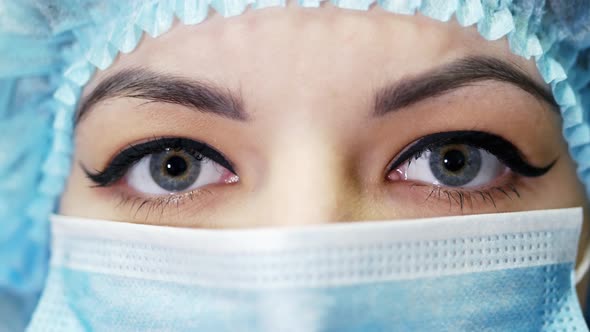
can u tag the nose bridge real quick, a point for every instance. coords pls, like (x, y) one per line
(305, 179)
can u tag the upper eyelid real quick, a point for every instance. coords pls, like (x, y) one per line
(411, 151)
(116, 168)
(181, 142)
(511, 155)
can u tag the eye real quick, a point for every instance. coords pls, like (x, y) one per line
(173, 171)
(453, 165)
(466, 159)
(166, 166)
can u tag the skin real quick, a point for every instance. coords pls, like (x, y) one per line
(311, 151)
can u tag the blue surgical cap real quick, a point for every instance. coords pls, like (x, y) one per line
(49, 49)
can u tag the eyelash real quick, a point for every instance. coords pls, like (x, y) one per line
(462, 197)
(122, 162)
(505, 151)
(159, 204)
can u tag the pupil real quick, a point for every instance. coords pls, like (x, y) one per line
(454, 160)
(175, 166)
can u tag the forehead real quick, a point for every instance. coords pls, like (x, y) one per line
(263, 48)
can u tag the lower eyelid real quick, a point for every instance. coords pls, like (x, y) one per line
(163, 210)
(505, 192)
(141, 206)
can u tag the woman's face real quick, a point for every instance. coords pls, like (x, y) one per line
(286, 117)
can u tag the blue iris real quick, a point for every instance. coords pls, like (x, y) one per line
(455, 165)
(174, 170)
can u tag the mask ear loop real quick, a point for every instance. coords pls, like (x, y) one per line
(584, 266)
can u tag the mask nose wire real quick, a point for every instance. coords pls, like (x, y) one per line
(584, 266)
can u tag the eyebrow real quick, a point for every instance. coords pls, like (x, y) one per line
(144, 84)
(458, 74)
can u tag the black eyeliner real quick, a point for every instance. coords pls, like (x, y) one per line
(121, 163)
(502, 149)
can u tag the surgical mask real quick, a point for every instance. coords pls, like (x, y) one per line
(509, 272)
